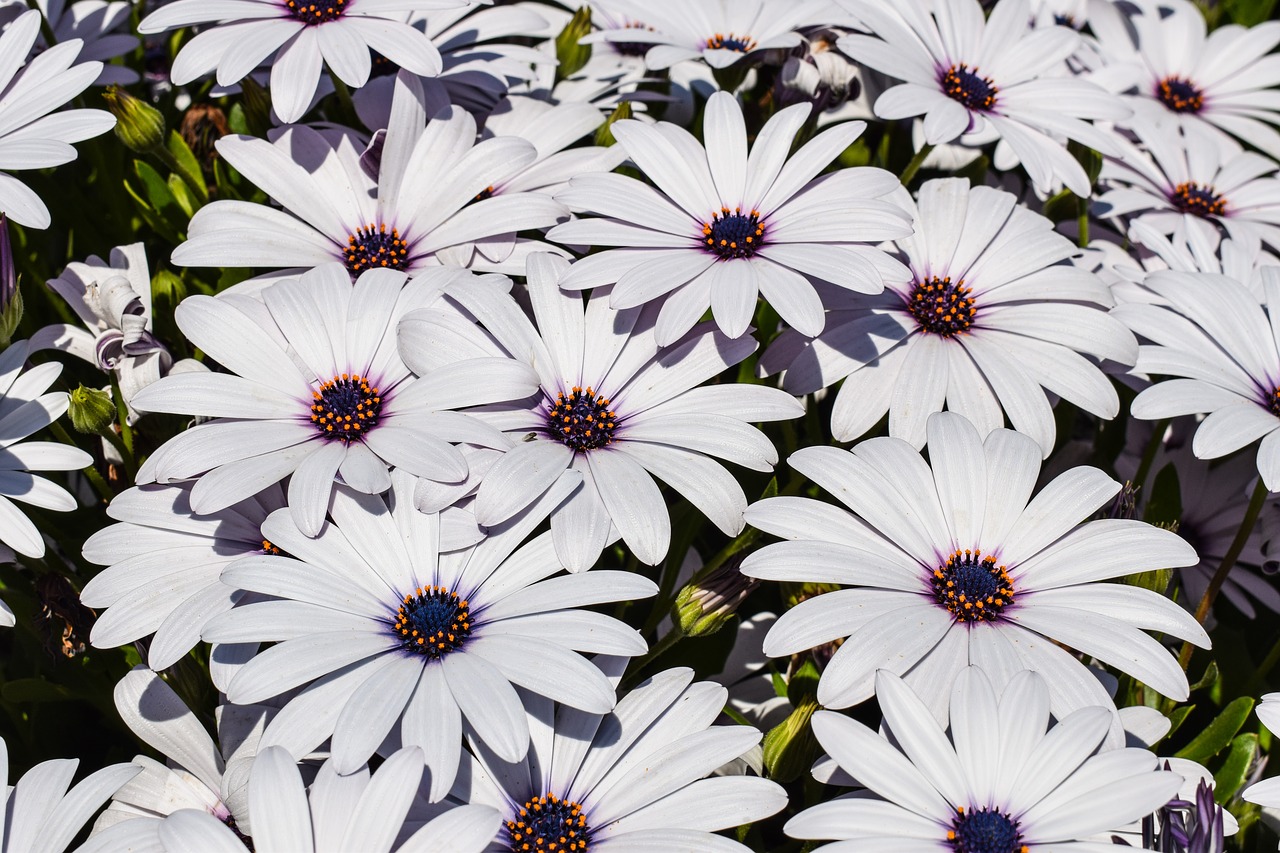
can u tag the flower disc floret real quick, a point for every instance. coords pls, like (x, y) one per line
(731, 41)
(316, 13)
(733, 234)
(548, 823)
(942, 306)
(1180, 95)
(375, 246)
(985, 831)
(966, 86)
(346, 407)
(582, 420)
(433, 621)
(973, 588)
(1199, 199)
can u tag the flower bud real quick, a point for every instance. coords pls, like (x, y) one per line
(92, 411)
(706, 603)
(571, 55)
(139, 125)
(604, 134)
(790, 747)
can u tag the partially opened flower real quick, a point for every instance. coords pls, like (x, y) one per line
(1168, 68)
(27, 406)
(31, 138)
(1214, 339)
(613, 409)
(631, 780)
(43, 811)
(725, 225)
(391, 638)
(953, 562)
(422, 208)
(318, 392)
(1186, 182)
(988, 79)
(335, 814)
(297, 36)
(1033, 788)
(990, 323)
(719, 32)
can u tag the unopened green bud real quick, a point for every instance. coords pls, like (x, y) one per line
(790, 747)
(92, 411)
(706, 603)
(1156, 580)
(139, 125)
(604, 134)
(572, 55)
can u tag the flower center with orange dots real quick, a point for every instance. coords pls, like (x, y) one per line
(548, 824)
(433, 622)
(731, 41)
(582, 419)
(965, 85)
(985, 831)
(375, 247)
(1198, 199)
(1180, 95)
(942, 306)
(733, 234)
(316, 13)
(346, 407)
(972, 587)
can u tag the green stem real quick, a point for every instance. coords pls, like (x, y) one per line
(675, 635)
(345, 104)
(126, 432)
(1082, 223)
(914, 166)
(95, 477)
(1149, 454)
(1228, 563)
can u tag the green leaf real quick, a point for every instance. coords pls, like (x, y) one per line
(154, 186)
(1164, 504)
(154, 220)
(1250, 12)
(1209, 678)
(573, 56)
(237, 122)
(182, 196)
(1178, 717)
(188, 165)
(1219, 733)
(35, 690)
(1061, 206)
(803, 685)
(1235, 770)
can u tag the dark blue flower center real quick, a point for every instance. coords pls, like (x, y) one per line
(1273, 403)
(1198, 199)
(942, 306)
(964, 85)
(315, 12)
(973, 588)
(1180, 95)
(733, 234)
(731, 41)
(582, 419)
(346, 407)
(1066, 21)
(375, 246)
(985, 831)
(633, 48)
(548, 824)
(433, 621)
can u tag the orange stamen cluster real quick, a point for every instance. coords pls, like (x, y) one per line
(315, 13)
(733, 234)
(548, 824)
(373, 247)
(582, 419)
(941, 306)
(972, 586)
(433, 621)
(965, 85)
(731, 41)
(1198, 199)
(1180, 95)
(346, 407)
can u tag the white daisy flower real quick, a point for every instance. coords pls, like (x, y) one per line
(719, 32)
(422, 204)
(989, 323)
(30, 138)
(113, 301)
(196, 774)
(42, 811)
(296, 37)
(629, 781)
(1031, 788)
(1267, 792)
(316, 391)
(614, 409)
(27, 406)
(1158, 54)
(957, 564)
(95, 23)
(163, 567)
(1216, 339)
(1185, 180)
(991, 78)
(392, 639)
(724, 226)
(334, 814)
